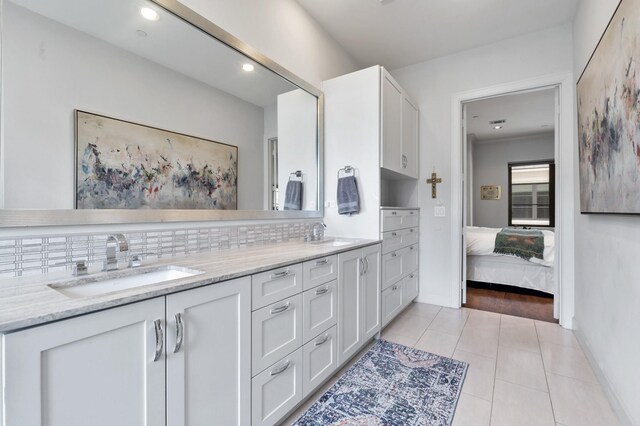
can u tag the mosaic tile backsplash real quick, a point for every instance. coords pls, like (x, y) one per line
(40, 255)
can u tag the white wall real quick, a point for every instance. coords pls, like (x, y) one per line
(283, 31)
(607, 268)
(490, 167)
(433, 84)
(50, 70)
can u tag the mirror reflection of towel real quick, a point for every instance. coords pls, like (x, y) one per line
(293, 195)
(348, 198)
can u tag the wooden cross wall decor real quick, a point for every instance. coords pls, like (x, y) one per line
(434, 181)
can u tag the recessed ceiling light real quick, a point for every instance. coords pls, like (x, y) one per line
(141, 33)
(149, 14)
(248, 67)
(497, 127)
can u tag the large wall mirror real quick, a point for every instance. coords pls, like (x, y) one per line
(160, 67)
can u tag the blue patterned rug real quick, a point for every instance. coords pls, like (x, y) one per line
(391, 385)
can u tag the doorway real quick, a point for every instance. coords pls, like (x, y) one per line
(564, 182)
(509, 197)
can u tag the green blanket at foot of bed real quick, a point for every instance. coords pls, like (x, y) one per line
(524, 243)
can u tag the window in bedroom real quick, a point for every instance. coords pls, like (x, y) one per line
(531, 194)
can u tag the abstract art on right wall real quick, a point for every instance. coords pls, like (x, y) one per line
(609, 118)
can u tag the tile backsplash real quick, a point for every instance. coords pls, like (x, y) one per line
(38, 255)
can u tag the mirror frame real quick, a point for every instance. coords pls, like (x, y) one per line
(15, 218)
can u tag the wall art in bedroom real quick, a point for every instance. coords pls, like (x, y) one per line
(609, 118)
(123, 165)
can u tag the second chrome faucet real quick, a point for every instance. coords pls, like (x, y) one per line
(115, 243)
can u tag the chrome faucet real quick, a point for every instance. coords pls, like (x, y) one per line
(114, 242)
(317, 231)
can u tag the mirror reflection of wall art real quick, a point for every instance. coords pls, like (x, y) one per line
(123, 165)
(608, 117)
(490, 192)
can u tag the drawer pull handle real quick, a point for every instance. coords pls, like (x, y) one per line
(411, 230)
(321, 262)
(322, 340)
(157, 324)
(394, 213)
(393, 234)
(412, 212)
(280, 369)
(394, 288)
(412, 276)
(394, 255)
(179, 333)
(280, 309)
(280, 274)
(411, 248)
(322, 291)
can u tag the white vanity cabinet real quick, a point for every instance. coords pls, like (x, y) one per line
(122, 365)
(358, 299)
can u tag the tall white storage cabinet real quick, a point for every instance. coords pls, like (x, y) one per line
(372, 125)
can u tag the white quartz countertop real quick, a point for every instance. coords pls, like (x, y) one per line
(29, 301)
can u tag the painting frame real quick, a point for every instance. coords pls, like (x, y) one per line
(171, 171)
(608, 141)
(490, 192)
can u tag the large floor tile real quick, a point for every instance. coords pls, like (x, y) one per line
(481, 341)
(480, 375)
(578, 403)
(411, 327)
(481, 319)
(450, 320)
(438, 343)
(566, 361)
(472, 411)
(399, 338)
(521, 367)
(521, 337)
(553, 333)
(521, 406)
(510, 321)
(423, 310)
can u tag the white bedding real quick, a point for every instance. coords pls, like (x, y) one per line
(481, 242)
(510, 270)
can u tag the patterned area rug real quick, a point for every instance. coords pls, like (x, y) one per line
(391, 385)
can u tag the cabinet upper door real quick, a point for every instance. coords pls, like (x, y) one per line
(410, 137)
(209, 355)
(391, 94)
(350, 268)
(371, 291)
(97, 369)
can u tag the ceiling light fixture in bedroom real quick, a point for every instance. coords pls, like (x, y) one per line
(497, 124)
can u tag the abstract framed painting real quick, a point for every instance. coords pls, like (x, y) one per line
(124, 165)
(609, 118)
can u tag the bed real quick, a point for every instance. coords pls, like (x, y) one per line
(484, 265)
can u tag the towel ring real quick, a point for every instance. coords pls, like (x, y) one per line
(297, 175)
(346, 171)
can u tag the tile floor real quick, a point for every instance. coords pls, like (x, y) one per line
(521, 371)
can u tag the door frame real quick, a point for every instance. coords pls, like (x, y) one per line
(565, 156)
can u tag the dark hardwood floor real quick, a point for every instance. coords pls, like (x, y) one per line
(510, 300)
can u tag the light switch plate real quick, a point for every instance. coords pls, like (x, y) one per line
(439, 211)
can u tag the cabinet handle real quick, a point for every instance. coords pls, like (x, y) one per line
(280, 274)
(179, 333)
(411, 230)
(322, 340)
(322, 291)
(411, 276)
(394, 288)
(411, 248)
(159, 339)
(394, 213)
(393, 234)
(321, 262)
(280, 369)
(361, 266)
(412, 212)
(366, 261)
(394, 254)
(280, 309)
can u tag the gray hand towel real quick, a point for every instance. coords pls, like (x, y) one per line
(348, 198)
(293, 195)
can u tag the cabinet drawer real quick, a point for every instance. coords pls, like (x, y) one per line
(276, 330)
(410, 236)
(410, 257)
(319, 271)
(392, 240)
(411, 288)
(410, 218)
(318, 361)
(391, 220)
(320, 309)
(278, 389)
(392, 267)
(392, 299)
(271, 286)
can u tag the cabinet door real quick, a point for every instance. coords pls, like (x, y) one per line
(319, 309)
(391, 123)
(392, 299)
(411, 288)
(392, 269)
(350, 268)
(97, 369)
(410, 259)
(371, 292)
(208, 374)
(319, 361)
(409, 138)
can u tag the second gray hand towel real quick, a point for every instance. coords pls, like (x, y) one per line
(348, 198)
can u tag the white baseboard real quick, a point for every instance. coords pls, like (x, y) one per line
(611, 394)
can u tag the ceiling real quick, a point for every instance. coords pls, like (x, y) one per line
(396, 33)
(526, 114)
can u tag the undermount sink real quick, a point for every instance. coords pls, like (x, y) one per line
(334, 242)
(121, 280)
